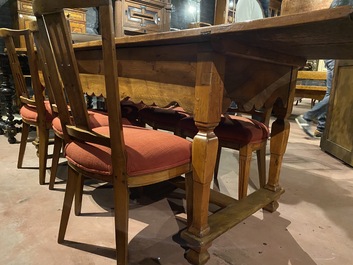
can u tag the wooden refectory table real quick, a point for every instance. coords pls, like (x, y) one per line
(253, 63)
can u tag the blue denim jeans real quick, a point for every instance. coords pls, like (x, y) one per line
(320, 109)
(336, 3)
(265, 6)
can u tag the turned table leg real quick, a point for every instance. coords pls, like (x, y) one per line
(278, 144)
(208, 94)
(279, 139)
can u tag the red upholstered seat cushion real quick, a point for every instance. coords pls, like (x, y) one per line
(237, 129)
(29, 112)
(165, 116)
(96, 119)
(147, 151)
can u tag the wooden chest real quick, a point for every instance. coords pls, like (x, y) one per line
(22, 14)
(134, 17)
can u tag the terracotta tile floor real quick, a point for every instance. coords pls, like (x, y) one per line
(313, 224)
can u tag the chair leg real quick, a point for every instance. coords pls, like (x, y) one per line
(55, 161)
(24, 136)
(189, 197)
(68, 199)
(78, 195)
(216, 168)
(43, 154)
(261, 165)
(245, 153)
(121, 204)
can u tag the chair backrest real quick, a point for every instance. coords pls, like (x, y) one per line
(53, 27)
(51, 76)
(18, 76)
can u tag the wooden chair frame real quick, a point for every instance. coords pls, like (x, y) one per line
(21, 90)
(56, 39)
(245, 156)
(245, 153)
(43, 64)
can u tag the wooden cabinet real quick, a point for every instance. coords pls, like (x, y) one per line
(77, 18)
(338, 135)
(141, 17)
(224, 11)
(24, 7)
(22, 13)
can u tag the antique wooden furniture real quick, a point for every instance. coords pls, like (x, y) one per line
(240, 133)
(337, 138)
(95, 118)
(35, 110)
(141, 16)
(311, 84)
(127, 156)
(205, 70)
(20, 16)
(209, 65)
(22, 11)
(23, 14)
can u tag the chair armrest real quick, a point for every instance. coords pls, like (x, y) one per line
(28, 101)
(88, 136)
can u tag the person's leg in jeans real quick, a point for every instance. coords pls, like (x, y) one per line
(330, 64)
(320, 109)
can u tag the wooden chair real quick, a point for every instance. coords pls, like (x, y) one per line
(127, 156)
(34, 111)
(96, 118)
(239, 133)
(162, 118)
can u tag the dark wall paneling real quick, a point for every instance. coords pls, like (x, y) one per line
(5, 19)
